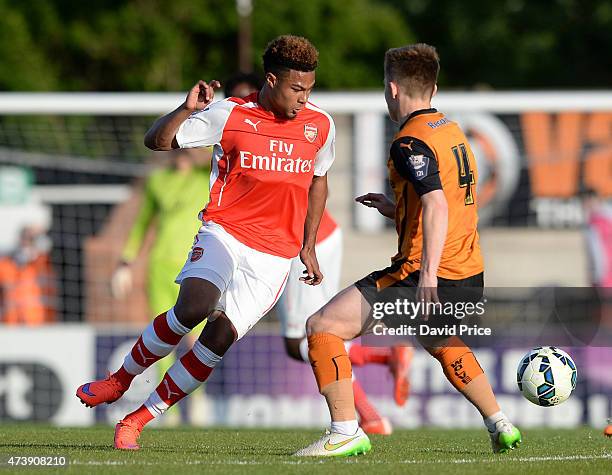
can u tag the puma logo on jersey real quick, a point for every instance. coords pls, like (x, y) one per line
(406, 145)
(252, 124)
(170, 392)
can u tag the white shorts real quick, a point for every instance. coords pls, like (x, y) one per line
(299, 301)
(250, 281)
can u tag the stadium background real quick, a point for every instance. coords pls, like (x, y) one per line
(533, 95)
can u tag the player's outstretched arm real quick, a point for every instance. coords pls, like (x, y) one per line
(384, 205)
(317, 196)
(162, 134)
(435, 225)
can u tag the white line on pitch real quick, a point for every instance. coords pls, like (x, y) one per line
(552, 458)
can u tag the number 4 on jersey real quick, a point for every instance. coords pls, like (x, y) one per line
(466, 177)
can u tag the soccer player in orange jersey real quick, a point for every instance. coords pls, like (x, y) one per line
(433, 175)
(268, 187)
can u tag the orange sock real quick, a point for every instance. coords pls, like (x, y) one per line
(466, 375)
(328, 358)
(332, 370)
(458, 362)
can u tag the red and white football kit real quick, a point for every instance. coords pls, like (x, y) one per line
(253, 225)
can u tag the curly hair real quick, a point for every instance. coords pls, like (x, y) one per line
(414, 67)
(290, 52)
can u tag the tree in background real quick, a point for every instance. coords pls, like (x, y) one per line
(516, 43)
(162, 45)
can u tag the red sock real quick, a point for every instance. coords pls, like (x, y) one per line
(168, 392)
(158, 340)
(124, 377)
(190, 372)
(361, 355)
(364, 408)
(140, 416)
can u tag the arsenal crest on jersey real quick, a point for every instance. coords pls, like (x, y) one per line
(196, 253)
(311, 132)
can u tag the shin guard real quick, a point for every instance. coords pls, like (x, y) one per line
(329, 360)
(458, 362)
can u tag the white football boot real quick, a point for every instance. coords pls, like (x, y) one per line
(333, 444)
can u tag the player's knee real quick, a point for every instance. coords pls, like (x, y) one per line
(321, 322)
(197, 299)
(191, 313)
(292, 347)
(314, 324)
(219, 334)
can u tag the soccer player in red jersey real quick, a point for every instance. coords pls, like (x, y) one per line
(268, 188)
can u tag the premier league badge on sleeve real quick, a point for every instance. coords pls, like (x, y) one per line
(419, 165)
(310, 132)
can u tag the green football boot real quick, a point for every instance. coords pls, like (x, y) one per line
(505, 438)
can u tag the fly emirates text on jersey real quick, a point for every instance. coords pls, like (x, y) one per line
(278, 160)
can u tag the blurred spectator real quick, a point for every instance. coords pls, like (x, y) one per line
(27, 281)
(598, 219)
(242, 84)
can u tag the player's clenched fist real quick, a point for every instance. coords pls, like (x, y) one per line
(201, 95)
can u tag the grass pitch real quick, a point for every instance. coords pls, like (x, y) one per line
(229, 451)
